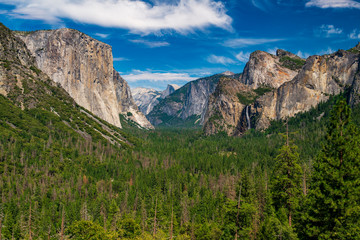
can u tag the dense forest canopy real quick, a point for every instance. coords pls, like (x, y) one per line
(179, 183)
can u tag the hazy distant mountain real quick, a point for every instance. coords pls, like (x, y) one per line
(146, 98)
(187, 105)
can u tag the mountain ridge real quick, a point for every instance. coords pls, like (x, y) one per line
(317, 78)
(83, 66)
(146, 98)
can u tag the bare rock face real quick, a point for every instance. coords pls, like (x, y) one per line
(83, 66)
(229, 107)
(146, 99)
(320, 77)
(225, 111)
(169, 90)
(264, 69)
(234, 108)
(187, 103)
(127, 104)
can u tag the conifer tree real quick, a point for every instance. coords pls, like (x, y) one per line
(286, 183)
(333, 204)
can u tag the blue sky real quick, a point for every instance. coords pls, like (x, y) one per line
(175, 41)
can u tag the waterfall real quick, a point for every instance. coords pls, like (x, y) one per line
(247, 117)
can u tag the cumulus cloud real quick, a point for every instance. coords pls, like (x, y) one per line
(244, 42)
(150, 44)
(136, 15)
(328, 30)
(243, 57)
(154, 76)
(355, 34)
(220, 60)
(333, 4)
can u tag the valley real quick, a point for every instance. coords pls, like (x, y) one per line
(229, 156)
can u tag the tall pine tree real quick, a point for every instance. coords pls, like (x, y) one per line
(286, 182)
(333, 204)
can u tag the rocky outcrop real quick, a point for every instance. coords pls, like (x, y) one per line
(83, 66)
(228, 109)
(187, 104)
(320, 77)
(46, 104)
(266, 70)
(146, 99)
(169, 90)
(233, 108)
(225, 110)
(126, 103)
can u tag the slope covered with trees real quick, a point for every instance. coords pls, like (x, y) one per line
(66, 174)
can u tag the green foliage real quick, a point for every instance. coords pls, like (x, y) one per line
(333, 203)
(262, 90)
(35, 69)
(272, 228)
(286, 182)
(87, 230)
(292, 63)
(246, 98)
(354, 50)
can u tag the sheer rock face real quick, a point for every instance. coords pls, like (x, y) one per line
(83, 66)
(169, 90)
(320, 77)
(264, 69)
(225, 112)
(188, 101)
(146, 99)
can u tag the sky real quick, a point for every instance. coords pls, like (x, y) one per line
(156, 42)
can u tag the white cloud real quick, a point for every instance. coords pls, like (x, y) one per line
(333, 4)
(220, 59)
(155, 76)
(120, 59)
(327, 51)
(102, 35)
(328, 30)
(243, 57)
(272, 50)
(244, 42)
(355, 34)
(150, 44)
(137, 16)
(303, 54)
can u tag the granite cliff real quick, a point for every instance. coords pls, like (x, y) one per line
(33, 105)
(280, 88)
(146, 98)
(83, 66)
(187, 105)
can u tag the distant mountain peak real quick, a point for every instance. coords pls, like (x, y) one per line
(169, 90)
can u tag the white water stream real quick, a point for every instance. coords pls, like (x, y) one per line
(247, 117)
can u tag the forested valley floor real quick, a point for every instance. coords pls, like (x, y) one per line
(296, 180)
